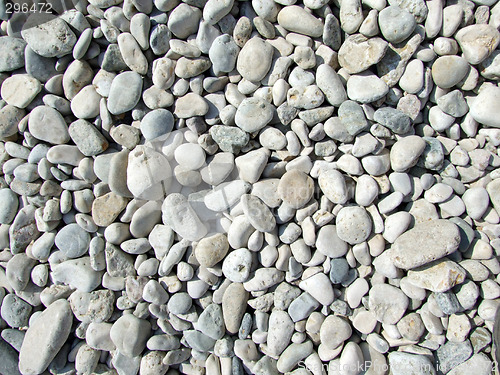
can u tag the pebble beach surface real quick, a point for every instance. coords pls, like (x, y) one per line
(257, 187)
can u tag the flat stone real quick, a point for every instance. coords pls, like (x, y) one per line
(47, 124)
(296, 188)
(12, 50)
(87, 138)
(257, 213)
(439, 237)
(296, 19)
(105, 209)
(125, 92)
(72, 240)
(19, 90)
(396, 24)
(45, 337)
(483, 109)
(47, 35)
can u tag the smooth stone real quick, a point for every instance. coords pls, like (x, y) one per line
(366, 88)
(45, 337)
(141, 182)
(296, 19)
(130, 334)
(46, 124)
(183, 20)
(87, 138)
(211, 250)
(295, 188)
(447, 71)
(406, 152)
(388, 303)
(319, 287)
(439, 237)
(254, 59)
(23, 230)
(477, 42)
(234, 304)
(330, 84)
(396, 24)
(72, 240)
(339, 269)
(334, 331)
(352, 117)
(125, 92)
(19, 90)
(280, 331)
(237, 265)
(77, 75)
(9, 203)
(178, 214)
(47, 35)
(476, 201)
(253, 114)
(15, 311)
(190, 105)
(85, 104)
(483, 108)
(78, 274)
(10, 117)
(353, 225)
(223, 54)
(257, 213)
(332, 183)
(12, 49)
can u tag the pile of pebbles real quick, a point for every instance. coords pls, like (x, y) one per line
(252, 187)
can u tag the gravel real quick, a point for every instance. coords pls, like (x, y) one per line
(219, 187)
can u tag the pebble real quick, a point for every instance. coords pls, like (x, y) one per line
(48, 36)
(73, 241)
(396, 24)
(295, 19)
(388, 303)
(211, 250)
(56, 133)
(353, 225)
(440, 237)
(358, 53)
(129, 334)
(253, 114)
(45, 337)
(13, 51)
(20, 90)
(442, 68)
(124, 93)
(254, 59)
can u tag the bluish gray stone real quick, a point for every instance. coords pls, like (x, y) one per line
(451, 354)
(73, 241)
(394, 119)
(339, 269)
